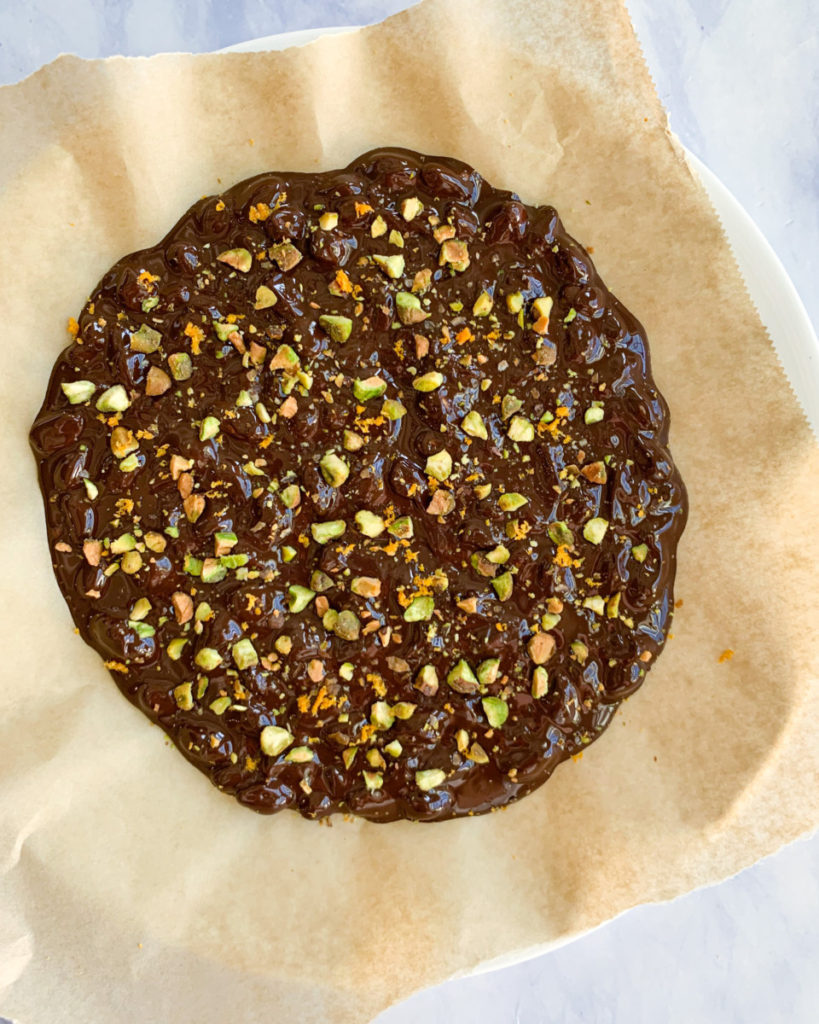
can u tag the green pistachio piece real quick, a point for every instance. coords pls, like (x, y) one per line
(402, 528)
(141, 608)
(393, 266)
(290, 496)
(503, 585)
(596, 603)
(225, 540)
(213, 571)
(192, 565)
(348, 756)
(244, 654)
(286, 358)
(328, 221)
(613, 606)
(348, 626)
(183, 696)
(208, 658)
(461, 678)
(125, 542)
(265, 297)
(181, 365)
(239, 259)
(299, 755)
(115, 399)
(411, 207)
(285, 254)
(233, 561)
(224, 329)
(639, 552)
(426, 680)
(91, 489)
(129, 463)
(540, 682)
(428, 381)
(496, 710)
(560, 534)
(404, 710)
(352, 441)
(567, 319)
(429, 778)
(347, 671)
(338, 327)
(549, 620)
(369, 523)
(511, 501)
(299, 597)
(329, 619)
(378, 227)
(373, 780)
(394, 749)
(288, 553)
(483, 304)
(323, 533)
(334, 469)
(593, 414)
(209, 428)
(409, 309)
(514, 302)
(375, 759)
(77, 391)
(146, 340)
(482, 491)
(579, 650)
(420, 609)
(274, 740)
(498, 555)
(142, 629)
(220, 705)
(365, 586)
(321, 582)
(372, 387)
(175, 648)
(473, 425)
(381, 715)
(488, 671)
(510, 405)
(481, 564)
(439, 466)
(595, 530)
(393, 409)
(455, 253)
(521, 429)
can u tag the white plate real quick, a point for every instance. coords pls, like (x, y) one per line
(771, 290)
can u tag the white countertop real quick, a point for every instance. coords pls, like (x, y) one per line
(740, 79)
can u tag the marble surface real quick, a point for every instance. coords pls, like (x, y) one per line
(740, 79)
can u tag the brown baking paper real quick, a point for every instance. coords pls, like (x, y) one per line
(132, 890)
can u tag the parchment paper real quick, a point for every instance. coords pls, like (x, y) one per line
(133, 891)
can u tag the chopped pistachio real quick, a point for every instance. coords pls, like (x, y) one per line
(409, 309)
(375, 758)
(369, 523)
(393, 409)
(329, 619)
(209, 428)
(125, 542)
(299, 597)
(288, 553)
(283, 644)
(396, 239)
(461, 678)
(183, 696)
(347, 626)
(579, 650)
(114, 399)
(290, 496)
(488, 671)
(321, 582)
(381, 715)
(274, 740)
(373, 780)
(181, 365)
(234, 561)
(208, 658)
(441, 504)
(541, 647)
(481, 564)
(145, 340)
(428, 381)
(503, 585)
(478, 754)
(142, 629)
(514, 302)
(192, 565)
(455, 253)
(511, 501)
(473, 425)
(239, 259)
(141, 608)
(595, 530)
(394, 748)
(352, 441)
(299, 755)
(175, 648)
(402, 528)
(285, 254)
(560, 534)
(639, 552)
(483, 304)
(593, 415)
(213, 571)
(411, 207)
(77, 391)
(338, 327)
(378, 227)
(91, 489)
(244, 654)
(542, 307)
(264, 416)
(286, 358)
(420, 609)
(348, 756)
(482, 491)
(496, 710)
(596, 603)
(131, 562)
(157, 382)
(393, 266)
(328, 220)
(220, 705)
(613, 606)
(224, 329)
(429, 778)
(521, 429)
(129, 464)
(334, 469)
(347, 671)
(372, 387)
(439, 465)
(498, 555)
(510, 405)
(265, 297)
(323, 533)
(540, 681)
(365, 586)
(549, 620)
(426, 680)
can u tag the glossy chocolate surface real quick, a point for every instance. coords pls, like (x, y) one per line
(248, 392)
